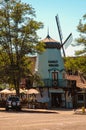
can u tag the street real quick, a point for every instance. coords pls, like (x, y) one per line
(27, 120)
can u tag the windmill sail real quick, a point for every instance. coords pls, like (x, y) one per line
(60, 32)
(59, 27)
(68, 41)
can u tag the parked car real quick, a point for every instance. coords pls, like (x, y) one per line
(13, 102)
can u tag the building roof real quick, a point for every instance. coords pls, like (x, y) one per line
(80, 81)
(51, 43)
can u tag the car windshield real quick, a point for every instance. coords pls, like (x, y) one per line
(13, 99)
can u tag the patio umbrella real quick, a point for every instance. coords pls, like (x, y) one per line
(5, 91)
(20, 90)
(32, 91)
(13, 91)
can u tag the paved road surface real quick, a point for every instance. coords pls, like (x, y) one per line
(42, 120)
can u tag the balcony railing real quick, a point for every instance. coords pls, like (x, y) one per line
(54, 83)
(60, 83)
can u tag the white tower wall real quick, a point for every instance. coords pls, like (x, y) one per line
(49, 61)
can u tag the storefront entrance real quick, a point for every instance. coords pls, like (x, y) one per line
(56, 100)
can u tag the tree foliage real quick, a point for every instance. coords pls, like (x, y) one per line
(76, 64)
(81, 28)
(18, 38)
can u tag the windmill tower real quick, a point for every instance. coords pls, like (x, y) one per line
(50, 67)
(50, 62)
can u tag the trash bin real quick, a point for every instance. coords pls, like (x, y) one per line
(83, 109)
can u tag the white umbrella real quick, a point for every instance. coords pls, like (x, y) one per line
(32, 91)
(13, 91)
(5, 91)
(20, 90)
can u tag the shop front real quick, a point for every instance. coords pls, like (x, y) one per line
(57, 98)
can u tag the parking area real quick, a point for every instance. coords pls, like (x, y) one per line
(32, 119)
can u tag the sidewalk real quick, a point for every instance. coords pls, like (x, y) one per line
(80, 111)
(56, 111)
(39, 110)
(34, 110)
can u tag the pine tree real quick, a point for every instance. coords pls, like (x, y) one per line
(81, 41)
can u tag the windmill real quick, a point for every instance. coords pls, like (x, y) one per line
(68, 40)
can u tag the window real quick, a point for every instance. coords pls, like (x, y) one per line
(54, 78)
(80, 97)
(54, 75)
(70, 72)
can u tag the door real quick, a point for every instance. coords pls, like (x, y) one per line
(56, 100)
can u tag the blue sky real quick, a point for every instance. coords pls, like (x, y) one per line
(69, 11)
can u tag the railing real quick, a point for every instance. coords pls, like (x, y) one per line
(54, 83)
(60, 83)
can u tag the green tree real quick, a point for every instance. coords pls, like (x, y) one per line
(70, 64)
(18, 38)
(81, 28)
(76, 64)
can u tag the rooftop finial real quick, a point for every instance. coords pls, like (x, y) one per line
(48, 33)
